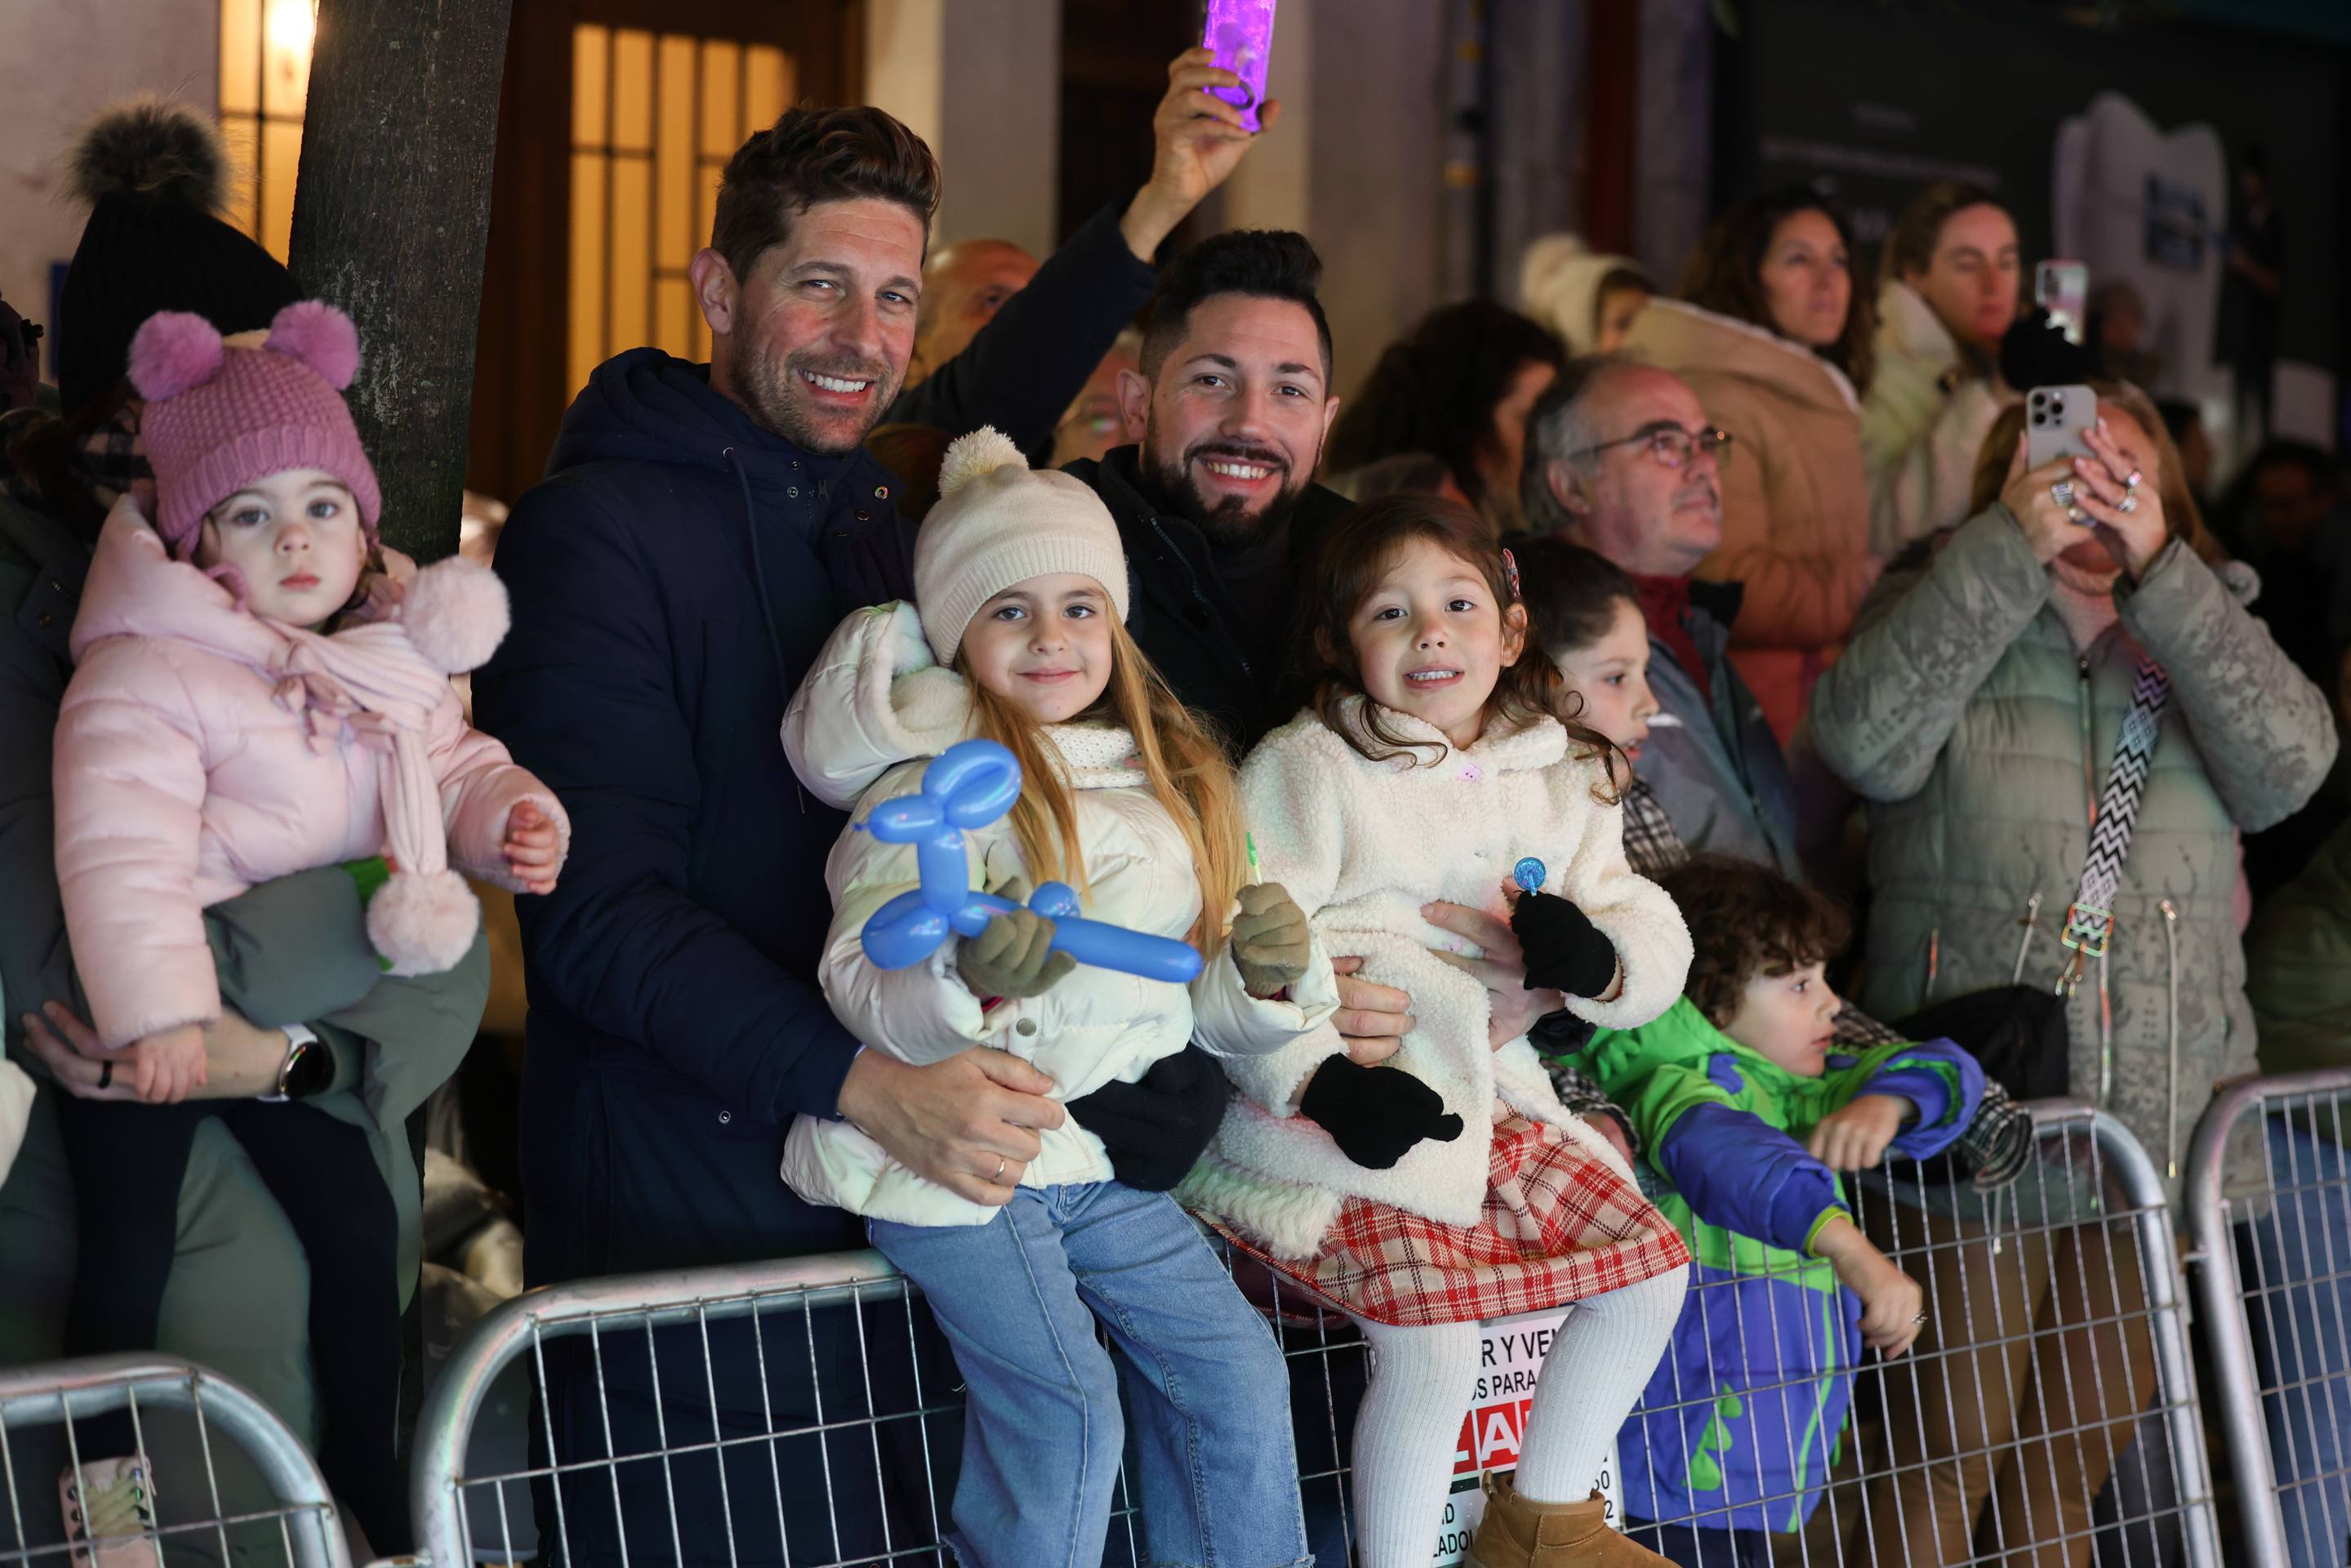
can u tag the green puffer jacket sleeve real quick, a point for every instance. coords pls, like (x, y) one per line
(1925, 638)
(2298, 965)
(2263, 730)
(296, 950)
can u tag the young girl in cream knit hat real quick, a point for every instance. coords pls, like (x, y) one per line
(1018, 636)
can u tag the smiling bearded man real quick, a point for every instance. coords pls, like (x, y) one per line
(1229, 411)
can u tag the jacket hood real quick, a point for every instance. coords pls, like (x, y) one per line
(646, 406)
(1680, 1037)
(874, 699)
(1907, 325)
(1559, 285)
(136, 590)
(1676, 334)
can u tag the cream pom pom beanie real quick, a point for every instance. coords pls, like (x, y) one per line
(999, 522)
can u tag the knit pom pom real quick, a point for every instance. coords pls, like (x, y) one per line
(984, 451)
(423, 923)
(321, 336)
(174, 351)
(455, 613)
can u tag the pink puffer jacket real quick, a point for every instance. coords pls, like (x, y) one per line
(181, 780)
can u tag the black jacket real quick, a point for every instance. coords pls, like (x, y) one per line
(1029, 364)
(672, 579)
(1237, 675)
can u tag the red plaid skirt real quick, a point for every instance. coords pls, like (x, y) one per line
(1558, 1225)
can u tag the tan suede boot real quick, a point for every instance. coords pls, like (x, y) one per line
(1516, 1533)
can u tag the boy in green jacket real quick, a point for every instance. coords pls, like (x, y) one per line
(1745, 1103)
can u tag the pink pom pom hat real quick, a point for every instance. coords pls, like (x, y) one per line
(219, 416)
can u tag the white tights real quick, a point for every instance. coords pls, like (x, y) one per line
(1422, 1379)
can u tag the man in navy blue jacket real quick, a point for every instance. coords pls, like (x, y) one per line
(700, 531)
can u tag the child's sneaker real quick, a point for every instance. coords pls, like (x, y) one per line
(111, 1523)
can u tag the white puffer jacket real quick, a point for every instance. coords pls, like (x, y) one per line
(873, 712)
(1362, 846)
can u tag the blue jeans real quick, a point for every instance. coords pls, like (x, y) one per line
(2295, 1261)
(1216, 1472)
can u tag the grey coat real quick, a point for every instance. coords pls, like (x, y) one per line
(1964, 715)
(1715, 765)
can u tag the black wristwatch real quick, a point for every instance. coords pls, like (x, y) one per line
(306, 1070)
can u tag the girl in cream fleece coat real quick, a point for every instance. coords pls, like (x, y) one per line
(1449, 1184)
(1023, 588)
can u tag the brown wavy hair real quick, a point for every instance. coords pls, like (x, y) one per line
(1347, 565)
(813, 155)
(1747, 920)
(1184, 765)
(1726, 274)
(2181, 519)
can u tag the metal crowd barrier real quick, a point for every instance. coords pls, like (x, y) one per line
(169, 1407)
(801, 1408)
(2047, 1413)
(804, 1412)
(2272, 1234)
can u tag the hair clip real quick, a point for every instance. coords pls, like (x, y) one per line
(1510, 574)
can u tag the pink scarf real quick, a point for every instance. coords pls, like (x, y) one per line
(368, 679)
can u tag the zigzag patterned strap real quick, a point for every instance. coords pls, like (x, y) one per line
(2090, 923)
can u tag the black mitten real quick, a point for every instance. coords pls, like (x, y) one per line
(1565, 952)
(1154, 1130)
(1375, 1115)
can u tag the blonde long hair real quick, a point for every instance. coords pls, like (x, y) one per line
(1184, 766)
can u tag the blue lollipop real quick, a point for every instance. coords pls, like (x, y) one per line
(1529, 874)
(970, 784)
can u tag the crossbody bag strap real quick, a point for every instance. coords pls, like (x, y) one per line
(2090, 920)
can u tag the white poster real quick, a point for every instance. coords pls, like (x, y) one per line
(1510, 1356)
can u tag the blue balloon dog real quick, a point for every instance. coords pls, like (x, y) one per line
(970, 784)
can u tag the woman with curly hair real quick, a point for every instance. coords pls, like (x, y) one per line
(1773, 338)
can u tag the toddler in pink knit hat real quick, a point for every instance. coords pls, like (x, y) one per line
(259, 689)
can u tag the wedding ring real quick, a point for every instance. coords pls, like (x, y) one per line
(1001, 1161)
(2073, 513)
(1918, 1321)
(2062, 493)
(2129, 503)
(106, 1075)
(2132, 483)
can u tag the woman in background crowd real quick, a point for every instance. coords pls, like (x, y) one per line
(1770, 335)
(1458, 387)
(1947, 295)
(1980, 709)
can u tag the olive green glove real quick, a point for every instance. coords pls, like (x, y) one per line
(1012, 957)
(1271, 942)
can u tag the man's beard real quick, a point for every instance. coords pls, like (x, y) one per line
(780, 403)
(1228, 522)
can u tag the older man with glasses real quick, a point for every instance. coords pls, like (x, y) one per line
(1621, 459)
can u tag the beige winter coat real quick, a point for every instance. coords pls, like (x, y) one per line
(1795, 509)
